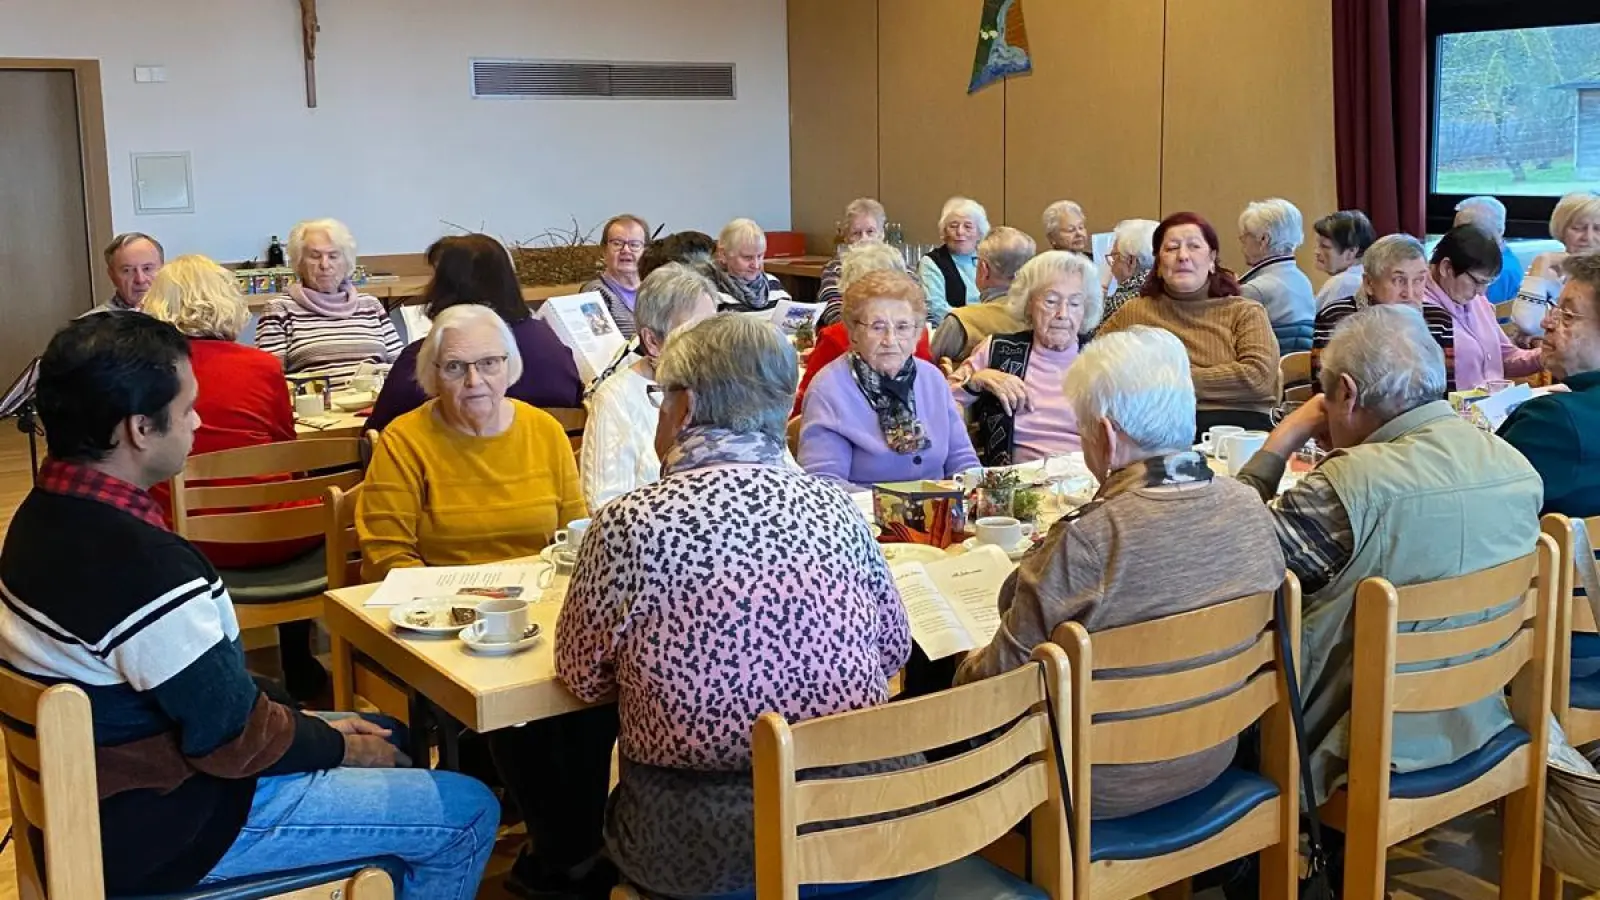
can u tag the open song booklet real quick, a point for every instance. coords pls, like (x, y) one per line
(952, 603)
(476, 583)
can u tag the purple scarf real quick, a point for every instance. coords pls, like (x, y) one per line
(341, 304)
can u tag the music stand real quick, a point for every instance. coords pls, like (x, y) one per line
(17, 403)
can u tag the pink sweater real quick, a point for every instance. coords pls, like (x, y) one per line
(1049, 428)
(1483, 352)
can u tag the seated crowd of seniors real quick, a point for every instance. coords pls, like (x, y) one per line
(1033, 355)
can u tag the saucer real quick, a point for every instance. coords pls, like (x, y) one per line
(352, 401)
(1015, 553)
(1206, 449)
(437, 610)
(559, 555)
(902, 553)
(472, 636)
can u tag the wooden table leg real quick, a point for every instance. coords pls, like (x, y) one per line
(344, 695)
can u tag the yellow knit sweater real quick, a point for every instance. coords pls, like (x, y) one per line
(434, 496)
(1233, 354)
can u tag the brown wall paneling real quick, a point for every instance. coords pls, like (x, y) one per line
(833, 112)
(1249, 112)
(934, 139)
(1086, 124)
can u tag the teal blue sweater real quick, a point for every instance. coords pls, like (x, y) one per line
(1560, 434)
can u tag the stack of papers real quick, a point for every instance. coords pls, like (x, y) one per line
(524, 580)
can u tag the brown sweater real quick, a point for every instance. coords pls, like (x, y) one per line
(1233, 355)
(1141, 554)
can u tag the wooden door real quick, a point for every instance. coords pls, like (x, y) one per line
(46, 274)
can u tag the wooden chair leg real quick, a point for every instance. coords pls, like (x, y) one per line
(1522, 844)
(1181, 890)
(1366, 855)
(1280, 871)
(344, 698)
(1551, 884)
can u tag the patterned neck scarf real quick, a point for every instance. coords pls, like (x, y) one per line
(752, 295)
(1187, 467)
(895, 401)
(700, 446)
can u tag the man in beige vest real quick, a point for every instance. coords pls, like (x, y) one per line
(1411, 493)
(1001, 255)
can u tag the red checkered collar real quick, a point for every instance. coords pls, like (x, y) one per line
(76, 480)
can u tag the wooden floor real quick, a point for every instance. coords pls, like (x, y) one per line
(1457, 860)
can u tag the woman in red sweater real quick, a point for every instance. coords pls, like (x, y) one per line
(243, 402)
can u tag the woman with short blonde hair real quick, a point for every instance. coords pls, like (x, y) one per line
(864, 222)
(949, 273)
(199, 298)
(1575, 222)
(746, 287)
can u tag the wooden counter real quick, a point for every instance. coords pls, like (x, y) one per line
(407, 289)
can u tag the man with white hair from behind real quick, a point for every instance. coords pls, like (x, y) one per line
(1489, 214)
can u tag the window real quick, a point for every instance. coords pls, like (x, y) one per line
(1515, 97)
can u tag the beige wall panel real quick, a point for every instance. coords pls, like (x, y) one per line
(1086, 125)
(1249, 111)
(833, 112)
(935, 140)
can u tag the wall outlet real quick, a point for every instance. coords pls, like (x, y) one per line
(149, 74)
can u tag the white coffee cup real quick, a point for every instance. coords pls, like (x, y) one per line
(1003, 531)
(362, 384)
(308, 405)
(1235, 449)
(504, 619)
(571, 537)
(1214, 435)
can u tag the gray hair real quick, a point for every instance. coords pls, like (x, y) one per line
(460, 318)
(1390, 251)
(865, 207)
(1136, 238)
(1279, 220)
(1139, 379)
(966, 208)
(1585, 270)
(1006, 250)
(1485, 212)
(741, 370)
(668, 295)
(336, 232)
(1055, 215)
(130, 237)
(1390, 355)
(874, 256)
(1040, 271)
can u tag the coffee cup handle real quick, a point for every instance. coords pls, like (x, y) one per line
(1205, 437)
(1027, 530)
(559, 538)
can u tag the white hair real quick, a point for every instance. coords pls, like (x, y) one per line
(1048, 266)
(1390, 355)
(336, 232)
(1390, 251)
(1578, 204)
(865, 208)
(1485, 212)
(667, 297)
(1139, 379)
(461, 317)
(1136, 238)
(872, 256)
(1006, 250)
(742, 371)
(965, 208)
(1055, 215)
(739, 234)
(1279, 220)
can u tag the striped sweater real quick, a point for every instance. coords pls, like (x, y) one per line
(147, 630)
(312, 344)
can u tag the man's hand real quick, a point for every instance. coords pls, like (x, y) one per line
(368, 751)
(1307, 422)
(1007, 388)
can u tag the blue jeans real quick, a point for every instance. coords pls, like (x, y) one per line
(440, 824)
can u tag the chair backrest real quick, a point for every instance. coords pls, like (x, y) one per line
(572, 419)
(976, 796)
(1578, 616)
(1294, 371)
(301, 470)
(60, 798)
(343, 547)
(792, 431)
(1203, 696)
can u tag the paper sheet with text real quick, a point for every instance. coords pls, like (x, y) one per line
(952, 604)
(475, 582)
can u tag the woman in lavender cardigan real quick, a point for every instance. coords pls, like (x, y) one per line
(877, 413)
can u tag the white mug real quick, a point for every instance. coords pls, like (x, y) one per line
(1003, 531)
(361, 384)
(1214, 435)
(308, 405)
(504, 619)
(571, 537)
(1236, 449)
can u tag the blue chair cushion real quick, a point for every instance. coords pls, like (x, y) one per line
(1181, 823)
(969, 877)
(1586, 692)
(261, 887)
(1443, 779)
(304, 576)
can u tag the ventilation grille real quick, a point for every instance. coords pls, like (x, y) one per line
(635, 81)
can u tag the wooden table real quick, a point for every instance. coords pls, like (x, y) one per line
(801, 275)
(347, 425)
(407, 289)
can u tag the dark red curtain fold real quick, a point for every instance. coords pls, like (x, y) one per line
(1380, 95)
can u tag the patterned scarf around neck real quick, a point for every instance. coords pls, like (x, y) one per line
(752, 295)
(699, 446)
(341, 304)
(895, 402)
(1187, 467)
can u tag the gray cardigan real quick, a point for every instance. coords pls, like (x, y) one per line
(1280, 286)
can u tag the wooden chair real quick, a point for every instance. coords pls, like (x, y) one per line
(50, 772)
(792, 431)
(274, 595)
(352, 677)
(972, 799)
(573, 420)
(1240, 813)
(1377, 808)
(1576, 703)
(1294, 372)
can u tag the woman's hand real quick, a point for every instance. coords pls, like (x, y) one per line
(1007, 388)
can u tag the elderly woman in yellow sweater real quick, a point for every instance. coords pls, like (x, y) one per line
(470, 476)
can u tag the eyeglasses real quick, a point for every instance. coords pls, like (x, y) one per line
(488, 367)
(657, 393)
(901, 330)
(1053, 302)
(1565, 317)
(619, 243)
(1480, 280)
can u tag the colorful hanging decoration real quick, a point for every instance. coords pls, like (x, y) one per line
(1002, 44)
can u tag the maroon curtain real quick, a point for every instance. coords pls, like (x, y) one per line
(1380, 91)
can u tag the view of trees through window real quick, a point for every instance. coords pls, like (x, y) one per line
(1511, 107)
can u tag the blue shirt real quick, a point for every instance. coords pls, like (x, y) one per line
(1505, 287)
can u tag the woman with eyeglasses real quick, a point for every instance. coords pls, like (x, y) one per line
(1466, 261)
(622, 241)
(1012, 382)
(471, 476)
(475, 269)
(878, 413)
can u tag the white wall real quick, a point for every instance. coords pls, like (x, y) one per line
(396, 146)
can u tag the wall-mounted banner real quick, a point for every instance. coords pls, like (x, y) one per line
(1002, 44)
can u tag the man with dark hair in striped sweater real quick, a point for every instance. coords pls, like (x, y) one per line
(201, 776)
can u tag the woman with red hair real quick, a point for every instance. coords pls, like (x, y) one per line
(1233, 355)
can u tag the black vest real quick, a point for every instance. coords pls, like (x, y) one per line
(994, 431)
(955, 289)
